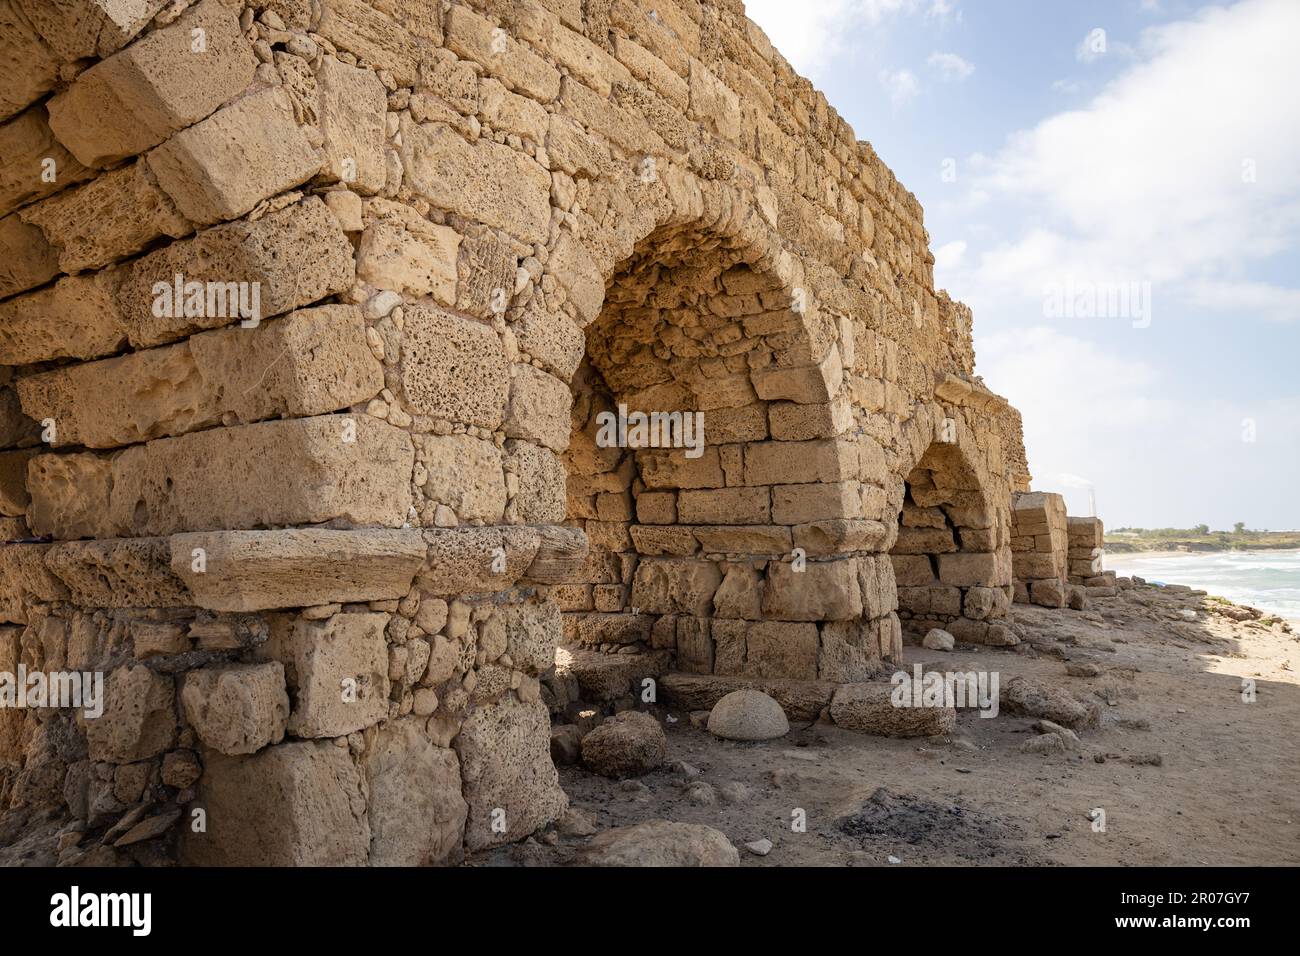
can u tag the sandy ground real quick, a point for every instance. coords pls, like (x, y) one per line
(1186, 771)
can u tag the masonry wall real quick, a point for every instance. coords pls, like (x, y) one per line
(332, 546)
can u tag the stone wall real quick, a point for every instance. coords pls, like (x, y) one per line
(1039, 548)
(307, 312)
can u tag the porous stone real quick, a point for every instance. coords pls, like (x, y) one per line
(661, 843)
(628, 744)
(748, 715)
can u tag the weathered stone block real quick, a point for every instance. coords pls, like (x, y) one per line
(539, 408)
(676, 586)
(338, 671)
(465, 474)
(139, 718)
(353, 105)
(259, 570)
(485, 181)
(798, 462)
(975, 570)
(359, 28)
(724, 506)
(297, 471)
(113, 216)
(237, 709)
(293, 257)
(453, 368)
(76, 317)
(474, 38)
(221, 168)
(416, 811)
(505, 756)
(869, 709)
(295, 804)
(164, 83)
(308, 363)
(36, 164)
(26, 258)
(822, 591)
(412, 257)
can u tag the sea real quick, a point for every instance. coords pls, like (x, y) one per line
(1268, 580)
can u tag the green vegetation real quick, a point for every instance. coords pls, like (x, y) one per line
(1199, 538)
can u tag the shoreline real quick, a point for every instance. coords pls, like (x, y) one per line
(1114, 559)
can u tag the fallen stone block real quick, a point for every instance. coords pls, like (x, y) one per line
(870, 709)
(661, 843)
(629, 744)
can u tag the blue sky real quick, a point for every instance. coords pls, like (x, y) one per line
(1143, 155)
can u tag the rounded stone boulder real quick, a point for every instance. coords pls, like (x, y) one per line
(748, 715)
(938, 640)
(626, 745)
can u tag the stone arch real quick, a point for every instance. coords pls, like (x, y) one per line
(739, 558)
(951, 555)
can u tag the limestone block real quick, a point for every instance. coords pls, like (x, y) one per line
(308, 363)
(31, 66)
(712, 103)
(454, 369)
(561, 553)
(869, 709)
(533, 632)
(810, 385)
(375, 38)
(26, 258)
(478, 560)
(338, 672)
(296, 471)
(975, 570)
(654, 539)
(799, 462)
(740, 595)
(1048, 593)
(771, 649)
(163, 83)
(73, 494)
(913, 570)
(293, 257)
(878, 583)
(416, 811)
(118, 572)
(139, 718)
(573, 267)
(484, 181)
(823, 591)
(924, 541)
(24, 580)
(237, 709)
(76, 317)
(486, 273)
(540, 499)
(724, 506)
(465, 474)
(508, 775)
(932, 599)
(839, 536)
(221, 168)
(80, 29)
(800, 699)
(113, 216)
(539, 408)
(300, 803)
(1038, 565)
(472, 37)
(801, 503)
(665, 468)
(744, 539)
(414, 258)
(510, 113)
(259, 570)
(36, 164)
(675, 586)
(352, 107)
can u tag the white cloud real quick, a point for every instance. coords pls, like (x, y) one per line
(951, 66)
(811, 33)
(901, 85)
(949, 255)
(1148, 181)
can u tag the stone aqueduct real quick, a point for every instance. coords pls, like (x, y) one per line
(325, 549)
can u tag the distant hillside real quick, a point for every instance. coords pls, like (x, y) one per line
(1127, 540)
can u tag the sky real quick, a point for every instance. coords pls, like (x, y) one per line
(1114, 189)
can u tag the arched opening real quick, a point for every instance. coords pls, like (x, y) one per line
(951, 561)
(692, 547)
